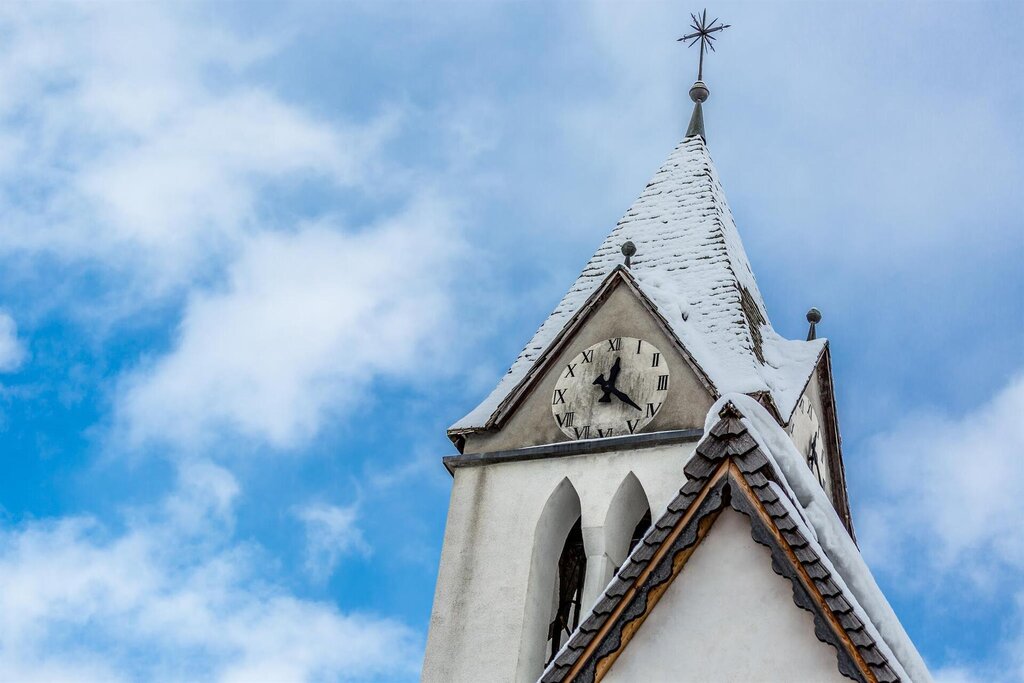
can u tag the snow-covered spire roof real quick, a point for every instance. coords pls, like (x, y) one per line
(691, 264)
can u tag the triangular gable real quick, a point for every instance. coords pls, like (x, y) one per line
(728, 469)
(619, 276)
(692, 266)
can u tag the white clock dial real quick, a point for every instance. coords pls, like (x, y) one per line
(806, 433)
(612, 388)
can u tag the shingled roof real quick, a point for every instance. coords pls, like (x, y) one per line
(734, 467)
(691, 264)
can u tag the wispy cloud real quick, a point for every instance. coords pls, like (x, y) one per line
(140, 148)
(304, 324)
(168, 599)
(331, 533)
(12, 350)
(945, 514)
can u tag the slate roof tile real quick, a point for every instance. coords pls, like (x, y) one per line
(832, 593)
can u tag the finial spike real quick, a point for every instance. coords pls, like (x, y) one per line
(696, 126)
(813, 317)
(704, 33)
(628, 250)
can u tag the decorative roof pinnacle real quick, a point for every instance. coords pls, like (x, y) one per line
(704, 33)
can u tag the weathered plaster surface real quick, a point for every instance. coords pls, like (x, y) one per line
(492, 584)
(620, 315)
(727, 618)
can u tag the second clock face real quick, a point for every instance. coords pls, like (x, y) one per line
(612, 388)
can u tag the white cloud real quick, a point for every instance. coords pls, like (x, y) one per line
(331, 533)
(944, 520)
(12, 352)
(950, 485)
(303, 324)
(166, 600)
(137, 142)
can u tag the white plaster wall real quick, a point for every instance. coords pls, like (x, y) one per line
(477, 624)
(607, 546)
(727, 618)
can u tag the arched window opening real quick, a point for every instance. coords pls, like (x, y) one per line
(572, 571)
(638, 533)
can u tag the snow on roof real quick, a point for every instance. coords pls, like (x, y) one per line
(691, 264)
(775, 474)
(822, 526)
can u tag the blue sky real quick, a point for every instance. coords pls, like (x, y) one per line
(257, 257)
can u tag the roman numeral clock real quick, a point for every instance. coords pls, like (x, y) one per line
(612, 388)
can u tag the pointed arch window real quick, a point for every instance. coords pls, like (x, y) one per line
(572, 573)
(638, 532)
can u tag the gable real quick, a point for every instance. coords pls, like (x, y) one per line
(814, 430)
(618, 312)
(730, 470)
(728, 618)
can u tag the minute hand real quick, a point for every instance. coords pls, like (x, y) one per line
(625, 399)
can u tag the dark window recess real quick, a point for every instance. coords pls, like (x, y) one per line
(572, 569)
(641, 528)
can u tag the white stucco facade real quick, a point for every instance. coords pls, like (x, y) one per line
(506, 526)
(727, 618)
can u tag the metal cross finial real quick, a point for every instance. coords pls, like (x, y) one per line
(703, 32)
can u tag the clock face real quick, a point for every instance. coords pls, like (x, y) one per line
(612, 388)
(807, 435)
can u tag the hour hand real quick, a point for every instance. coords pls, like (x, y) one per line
(625, 399)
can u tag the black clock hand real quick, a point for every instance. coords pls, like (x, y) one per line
(625, 399)
(613, 374)
(606, 387)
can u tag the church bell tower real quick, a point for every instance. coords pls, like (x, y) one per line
(658, 454)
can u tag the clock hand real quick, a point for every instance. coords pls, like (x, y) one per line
(606, 387)
(625, 399)
(613, 374)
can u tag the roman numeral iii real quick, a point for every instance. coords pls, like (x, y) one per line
(662, 382)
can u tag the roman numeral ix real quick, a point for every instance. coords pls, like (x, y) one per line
(559, 397)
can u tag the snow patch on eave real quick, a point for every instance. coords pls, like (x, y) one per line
(827, 533)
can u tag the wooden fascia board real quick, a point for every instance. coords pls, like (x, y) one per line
(738, 485)
(627, 598)
(619, 275)
(737, 479)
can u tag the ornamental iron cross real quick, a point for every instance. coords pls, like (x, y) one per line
(703, 32)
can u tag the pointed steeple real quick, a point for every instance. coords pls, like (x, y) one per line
(689, 261)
